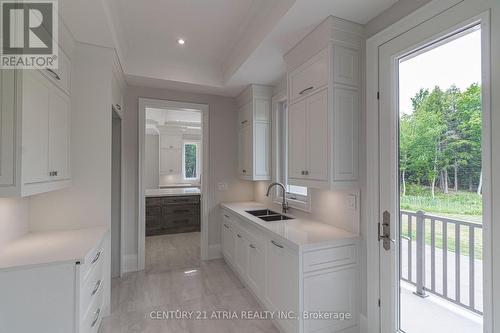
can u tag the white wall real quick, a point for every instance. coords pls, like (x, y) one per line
(14, 219)
(151, 161)
(393, 14)
(223, 156)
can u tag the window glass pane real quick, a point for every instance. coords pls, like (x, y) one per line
(190, 160)
(300, 190)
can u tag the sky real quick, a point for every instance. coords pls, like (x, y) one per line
(457, 62)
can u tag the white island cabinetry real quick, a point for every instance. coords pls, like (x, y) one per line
(293, 268)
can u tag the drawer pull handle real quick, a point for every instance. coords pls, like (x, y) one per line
(277, 244)
(239, 236)
(96, 288)
(244, 122)
(226, 226)
(53, 73)
(97, 256)
(227, 216)
(244, 171)
(252, 246)
(96, 317)
(118, 107)
(306, 90)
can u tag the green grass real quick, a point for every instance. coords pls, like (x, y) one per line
(461, 205)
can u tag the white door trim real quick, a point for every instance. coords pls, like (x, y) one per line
(434, 8)
(166, 104)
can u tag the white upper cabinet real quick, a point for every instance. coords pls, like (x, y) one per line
(309, 77)
(254, 133)
(35, 130)
(324, 95)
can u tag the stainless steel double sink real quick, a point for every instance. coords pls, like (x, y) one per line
(268, 215)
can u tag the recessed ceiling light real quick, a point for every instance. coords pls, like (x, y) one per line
(181, 41)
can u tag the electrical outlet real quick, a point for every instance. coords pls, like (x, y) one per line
(351, 202)
(222, 186)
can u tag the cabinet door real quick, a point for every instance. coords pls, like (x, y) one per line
(245, 115)
(297, 140)
(228, 245)
(256, 266)
(35, 143)
(241, 253)
(59, 134)
(332, 292)
(282, 284)
(317, 136)
(7, 125)
(170, 161)
(245, 151)
(170, 141)
(309, 77)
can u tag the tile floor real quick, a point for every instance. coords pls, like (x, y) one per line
(176, 279)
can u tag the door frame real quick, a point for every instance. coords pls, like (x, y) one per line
(428, 11)
(168, 104)
(119, 114)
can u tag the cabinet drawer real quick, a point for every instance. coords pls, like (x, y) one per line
(327, 258)
(92, 287)
(309, 77)
(91, 318)
(185, 209)
(182, 199)
(181, 220)
(93, 259)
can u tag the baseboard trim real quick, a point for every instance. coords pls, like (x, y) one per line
(214, 251)
(129, 263)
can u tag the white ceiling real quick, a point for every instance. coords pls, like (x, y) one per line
(229, 43)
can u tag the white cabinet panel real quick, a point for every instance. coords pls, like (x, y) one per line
(262, 149)
(59, 135)
(340, 285)
(61, 77)
(35, 142)
(297, 140)
(346, 68)
(7, 127)
(262, 110)
(228, 244)
(346, 134)
(241, 253)
(317, 136)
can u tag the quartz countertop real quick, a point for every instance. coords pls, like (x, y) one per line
(49, 247)
(299, 232)
(172, 192)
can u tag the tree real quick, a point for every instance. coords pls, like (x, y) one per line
(442, 134)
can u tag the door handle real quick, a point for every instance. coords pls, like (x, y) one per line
(385, 237)
(306, 90)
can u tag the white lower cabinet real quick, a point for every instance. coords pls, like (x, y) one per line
(291, 281)
(56, 297)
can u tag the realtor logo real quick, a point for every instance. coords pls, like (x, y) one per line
(29, 34)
